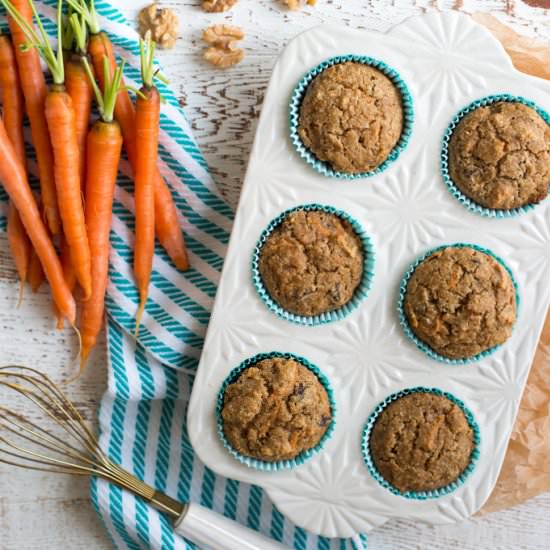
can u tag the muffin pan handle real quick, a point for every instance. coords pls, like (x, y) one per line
(204, 526)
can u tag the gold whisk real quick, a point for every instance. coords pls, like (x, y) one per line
(74, 449)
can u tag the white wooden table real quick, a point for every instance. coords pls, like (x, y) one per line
(49, 512)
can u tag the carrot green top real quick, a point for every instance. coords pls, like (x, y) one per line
(106, 101)
(79, 29)
(40, 40)
(147, 56)
(87, 12)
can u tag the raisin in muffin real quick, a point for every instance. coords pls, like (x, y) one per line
(311, 263)
(351, 117)
(275, 410)
(499, 156)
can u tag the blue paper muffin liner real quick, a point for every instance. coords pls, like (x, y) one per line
(361, 291)
(469, 203)
(420, 495)
(296, 102)
(280, 464)
(403, 321)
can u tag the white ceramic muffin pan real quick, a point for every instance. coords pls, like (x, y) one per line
(447, 61)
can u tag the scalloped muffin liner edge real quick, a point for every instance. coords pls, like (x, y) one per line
(466, 201)
(360, 293)
(434, 493)
(404, 322)
(297, 96)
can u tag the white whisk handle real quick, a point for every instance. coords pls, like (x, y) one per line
(204, 526)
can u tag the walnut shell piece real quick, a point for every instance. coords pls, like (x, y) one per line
(217, 6)
(163, 24)
(223, 51)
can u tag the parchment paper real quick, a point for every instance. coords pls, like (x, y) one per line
(526, 469)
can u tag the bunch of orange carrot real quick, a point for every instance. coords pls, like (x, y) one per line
(78, 164)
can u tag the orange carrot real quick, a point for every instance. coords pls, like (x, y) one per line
(60, 117)
(36, 273)
(147, 134)
(167, 225)
(65, 255)
(12, 98)
(103, 149)
(78, 85)
(99, 47)
(166, 216)
(68, 273)
(19, 244)
(14, 179)
(79, 88)
(34, 89)
(13, 111)
(61, 124)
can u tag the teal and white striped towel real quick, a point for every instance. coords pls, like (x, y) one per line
(143, 412)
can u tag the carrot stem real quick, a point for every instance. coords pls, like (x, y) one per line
(79, 27)
(106, 100)
(68, 38)
(88, 13)
(42, 42)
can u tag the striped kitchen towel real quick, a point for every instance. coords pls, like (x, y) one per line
(143, 412)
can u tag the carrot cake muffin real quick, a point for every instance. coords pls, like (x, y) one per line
(351, 117)
(460, 302)
(421, 442)
(275, 410)
(311, 263)
(499, 156)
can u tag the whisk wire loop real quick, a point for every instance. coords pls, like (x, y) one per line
(73, 450)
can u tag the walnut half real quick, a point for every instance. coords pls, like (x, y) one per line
(223, 57)
(216, 6)
(162, 22)
(223, 51)
(297, 4)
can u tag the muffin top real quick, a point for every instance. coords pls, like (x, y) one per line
(421, 442)
(312, 262)
(351, 117)
(275, 410)
(499, 156)
(460, 302)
